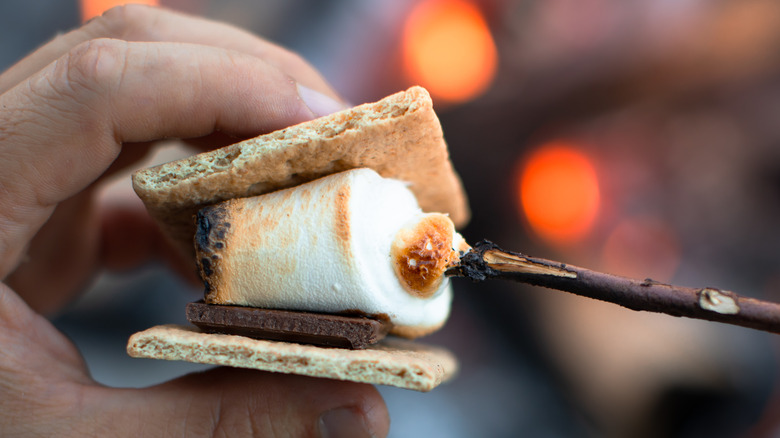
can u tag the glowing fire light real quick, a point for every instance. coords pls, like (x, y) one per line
(448, 49)
(94, 8)
(559, 193)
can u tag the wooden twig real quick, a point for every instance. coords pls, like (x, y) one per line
(487, 261)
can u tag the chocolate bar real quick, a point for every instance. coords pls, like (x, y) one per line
(353, 332)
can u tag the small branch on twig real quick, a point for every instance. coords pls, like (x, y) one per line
(487, 261)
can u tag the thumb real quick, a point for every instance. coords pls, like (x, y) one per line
(238, 402)
(45, 390)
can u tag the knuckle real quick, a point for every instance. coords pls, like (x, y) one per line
(94, 66)
(250, 417)
(125, 20)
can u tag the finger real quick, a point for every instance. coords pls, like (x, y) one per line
(233, 402)
(59, 262)
(117, 234)
(46, 391)
(144, 23)
(130, 237)
(63, 127)
(32, 350)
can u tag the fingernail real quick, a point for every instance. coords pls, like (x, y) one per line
(343, 422)
(318, 103)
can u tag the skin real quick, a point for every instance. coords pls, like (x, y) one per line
(88, 104)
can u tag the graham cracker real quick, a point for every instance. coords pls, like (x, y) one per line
(399, 137)
(393, 362)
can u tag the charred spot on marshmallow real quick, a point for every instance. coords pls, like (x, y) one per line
(210, 234)
(421, 252)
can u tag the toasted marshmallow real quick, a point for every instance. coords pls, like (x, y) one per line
(352, 242)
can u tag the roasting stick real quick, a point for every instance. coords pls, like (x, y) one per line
(487, 261)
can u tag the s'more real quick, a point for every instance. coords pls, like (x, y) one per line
(322, 247)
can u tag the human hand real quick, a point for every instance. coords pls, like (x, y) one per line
(88, 104)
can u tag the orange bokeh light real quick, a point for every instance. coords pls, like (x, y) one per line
(559, 193)
(94, 8)
(448, 49)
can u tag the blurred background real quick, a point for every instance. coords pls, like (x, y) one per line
(636, 137)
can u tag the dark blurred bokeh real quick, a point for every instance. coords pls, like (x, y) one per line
(653, 128)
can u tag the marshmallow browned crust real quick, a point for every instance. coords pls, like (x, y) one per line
(393, 362)
(399, 137)
(351, 242)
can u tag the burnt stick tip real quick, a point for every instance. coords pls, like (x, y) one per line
(487, 260)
